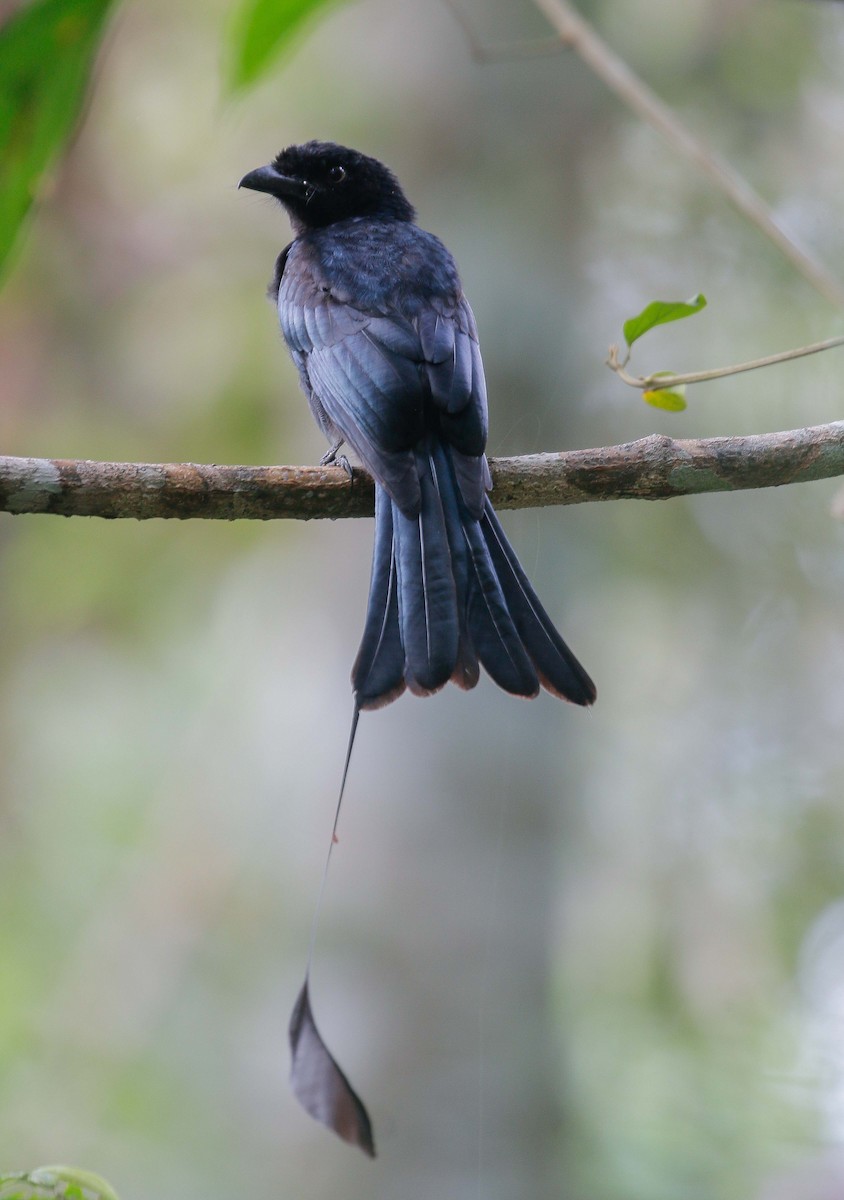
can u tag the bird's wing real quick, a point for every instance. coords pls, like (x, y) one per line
(379, 375)
(455, 371)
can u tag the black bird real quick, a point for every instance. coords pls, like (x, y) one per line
(373, 312)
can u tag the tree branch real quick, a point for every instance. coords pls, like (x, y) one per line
(653, 468)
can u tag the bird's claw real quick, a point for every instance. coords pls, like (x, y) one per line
(333, 459)
(330, 457)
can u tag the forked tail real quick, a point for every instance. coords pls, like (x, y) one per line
(448, 594)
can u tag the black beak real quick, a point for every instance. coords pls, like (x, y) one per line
(268, 179)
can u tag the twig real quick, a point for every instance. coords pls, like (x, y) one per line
(575, 33)
(653, 468)
(666, 379)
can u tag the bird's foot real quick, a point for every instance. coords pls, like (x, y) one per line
(330, 456)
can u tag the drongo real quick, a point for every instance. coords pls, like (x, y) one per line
(373, 313)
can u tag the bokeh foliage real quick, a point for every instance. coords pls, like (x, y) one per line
(593, 957)
(55, 1183)
(47, 53)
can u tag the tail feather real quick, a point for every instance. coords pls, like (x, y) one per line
(486, 625)
(558, 669)
(378, 673)
(466, 671)
(490, 625)
(427, 591)
(447, 596)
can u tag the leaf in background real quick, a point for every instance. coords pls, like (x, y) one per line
(262, 30)
(670, 399)
(660, 312)
(63, 1183)
(15, 1187)
(318, 1083)
(46, 53)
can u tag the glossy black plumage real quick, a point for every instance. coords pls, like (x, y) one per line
(374, 315)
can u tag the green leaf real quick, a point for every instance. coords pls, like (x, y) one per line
(660, 312)
(61, 1183)
(76, 1182)
(671, 399)
(46, 54)
(263, 29)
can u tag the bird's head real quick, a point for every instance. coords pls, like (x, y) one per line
(320, 183)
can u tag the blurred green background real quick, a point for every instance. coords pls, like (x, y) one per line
(594, 956)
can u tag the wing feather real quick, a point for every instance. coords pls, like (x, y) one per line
(387, 379)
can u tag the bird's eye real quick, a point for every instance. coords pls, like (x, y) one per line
(337, 174)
